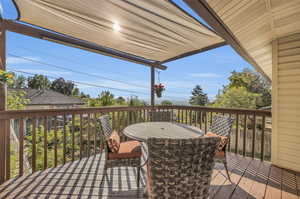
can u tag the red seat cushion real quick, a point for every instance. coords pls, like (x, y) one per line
(129, 149)
(223, 141)
(220, 154)
(113, 142)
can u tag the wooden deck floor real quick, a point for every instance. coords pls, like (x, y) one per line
(81, 179)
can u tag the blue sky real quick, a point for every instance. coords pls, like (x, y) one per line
(209, 69)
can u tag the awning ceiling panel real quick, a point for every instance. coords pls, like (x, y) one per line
(256, 23)
(152, 29)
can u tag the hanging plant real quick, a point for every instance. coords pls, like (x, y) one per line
(6, 77)
(159, 88)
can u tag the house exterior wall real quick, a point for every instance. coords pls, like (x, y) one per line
(286, 102)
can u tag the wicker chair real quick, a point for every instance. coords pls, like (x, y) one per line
(221, 126)
(128, 155)
(180, 168)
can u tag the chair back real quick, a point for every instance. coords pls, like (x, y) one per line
(105, 124)
(221, 125)
(180, 168)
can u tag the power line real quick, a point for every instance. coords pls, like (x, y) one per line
(59, 57)
(84, 83)
(70, 60)
(74, 71)
(94, 85)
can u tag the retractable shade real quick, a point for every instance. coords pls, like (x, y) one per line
(155, 30)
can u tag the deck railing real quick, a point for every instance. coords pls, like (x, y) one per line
(40, 139)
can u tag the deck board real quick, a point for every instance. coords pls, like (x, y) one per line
(81, 179)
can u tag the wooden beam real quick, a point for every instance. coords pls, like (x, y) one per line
(202, 8)
(39, 33)
(152, 86)
(3, 106)
(195, 52)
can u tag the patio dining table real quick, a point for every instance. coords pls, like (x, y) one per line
(142, 131)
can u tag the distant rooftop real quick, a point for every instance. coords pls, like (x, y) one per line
(48, 97)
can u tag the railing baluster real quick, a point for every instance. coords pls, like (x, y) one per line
(128, 118)
(81, 137)
(200, 119)
(190, 117)
(262, 137)
(254, 131)
(236, 133)
(186, 116)
(33, 164)
(7, 131)
(140, 115)
(55, 141)
(113, 120)
(182, 118)
(119, 122)
(64, 139)
(211, 118)
(21, 147)
(95, 132)
(88, 136)
(45, 143)
(245, 135)
(73, 137)
(205, 122)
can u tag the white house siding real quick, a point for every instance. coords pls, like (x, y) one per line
(286, 102)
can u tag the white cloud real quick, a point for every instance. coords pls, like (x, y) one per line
(17, 60)
(204, 75)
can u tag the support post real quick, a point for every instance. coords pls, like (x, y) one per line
(152, 85)
(3, 106)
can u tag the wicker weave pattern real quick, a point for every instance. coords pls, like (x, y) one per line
(110, 163)
(106, 128)
(221, 125)
(181, 168)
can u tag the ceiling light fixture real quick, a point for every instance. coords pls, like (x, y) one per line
(116, 27)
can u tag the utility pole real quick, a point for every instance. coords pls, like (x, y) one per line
(152, 85)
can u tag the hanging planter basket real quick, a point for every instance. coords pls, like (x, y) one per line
(6, 77)
(159, 88)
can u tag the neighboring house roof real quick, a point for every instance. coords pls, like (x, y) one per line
(48, 97)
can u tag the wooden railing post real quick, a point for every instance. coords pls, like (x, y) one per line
(4, 124)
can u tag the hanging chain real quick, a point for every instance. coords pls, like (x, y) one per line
(158, 76)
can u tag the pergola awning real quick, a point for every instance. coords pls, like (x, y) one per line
(155, 30)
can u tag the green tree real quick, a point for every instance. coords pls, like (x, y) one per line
(75, 92)
(83, 95)
(19, 82)
(62, 86)
(106, 98)
(135, 101)
(38, 82)
(254, 83)
(198, 96)
(237, 97)
(166, 103)
(120, 101)
(16, 100)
